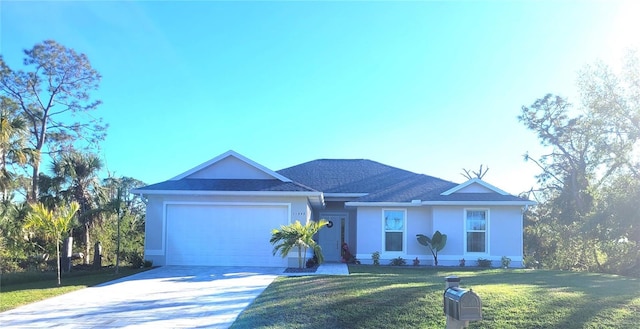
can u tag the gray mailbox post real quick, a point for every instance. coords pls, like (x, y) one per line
(460, 305)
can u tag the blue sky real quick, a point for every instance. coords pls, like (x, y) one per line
(431, 87)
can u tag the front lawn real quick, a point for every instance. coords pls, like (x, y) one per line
(27, 287)
(408, 297)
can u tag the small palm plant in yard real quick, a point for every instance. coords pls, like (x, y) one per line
(435, 243)
(52, 224)
(298, 236)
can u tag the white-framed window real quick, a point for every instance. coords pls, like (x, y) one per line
(395, 223)
(476, 223)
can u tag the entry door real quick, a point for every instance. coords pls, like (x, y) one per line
(331, 237)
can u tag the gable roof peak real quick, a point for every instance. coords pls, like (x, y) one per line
(474, 181)
(238, 156)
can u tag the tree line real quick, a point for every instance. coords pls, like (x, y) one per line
(588, 216)
(47, 118)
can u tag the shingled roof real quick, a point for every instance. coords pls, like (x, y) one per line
(380, 182)
(366, 181)
(356, 176)
(254, 185)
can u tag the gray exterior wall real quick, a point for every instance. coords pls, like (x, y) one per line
(504, 234)
(370, 234)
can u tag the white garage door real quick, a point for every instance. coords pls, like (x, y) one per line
(223, 235)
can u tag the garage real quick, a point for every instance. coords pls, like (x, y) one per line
(223, 234)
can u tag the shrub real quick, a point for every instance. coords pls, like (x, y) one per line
(484, 262)
(312, 262)
(505, 262)
(531, 262)
(134, 259)
(376, 258)
(398, 261)
(462, 262)
(148, 263)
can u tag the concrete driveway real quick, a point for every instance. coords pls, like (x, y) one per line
(165, 297)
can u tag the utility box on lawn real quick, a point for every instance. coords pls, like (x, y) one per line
(460, 305)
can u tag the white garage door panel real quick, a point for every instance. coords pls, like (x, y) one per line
(223, 235)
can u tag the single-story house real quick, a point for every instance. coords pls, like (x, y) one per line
(222, 213)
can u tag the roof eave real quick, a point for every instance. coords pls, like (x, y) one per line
(381, 204)
(235, 193)
(346, 197)
(315, 198)
(440, 203)
(479, 203)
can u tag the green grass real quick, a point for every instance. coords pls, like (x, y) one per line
(407, 297)
(28, 287)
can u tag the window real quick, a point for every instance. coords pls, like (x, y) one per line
(476, 227)
(394, 224)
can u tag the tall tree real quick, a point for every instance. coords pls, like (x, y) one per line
(52, 224)
(591, 147)
(80, 171)
(50, 96)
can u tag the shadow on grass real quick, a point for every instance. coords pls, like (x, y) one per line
(377, 297)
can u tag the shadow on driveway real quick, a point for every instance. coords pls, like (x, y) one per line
(165, 297)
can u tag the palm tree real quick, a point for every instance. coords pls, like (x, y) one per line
(52, 224)
(80, 172)
(297, 235)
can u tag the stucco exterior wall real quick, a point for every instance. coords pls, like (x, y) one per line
(504, 234)
(506, 238)
(370, 234)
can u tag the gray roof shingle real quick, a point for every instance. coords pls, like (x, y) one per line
(354, 176)
(254, 185)
(380, 183)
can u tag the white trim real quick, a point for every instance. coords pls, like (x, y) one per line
(318, 197)
(381, 204)
(487, 244)
(384, 252)
(474, 181)
(237, 156)
(235, 193)
(166, 203)
(479, 203)
(440, 203)
(345, 195)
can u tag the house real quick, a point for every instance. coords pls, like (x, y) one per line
(222, 213)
